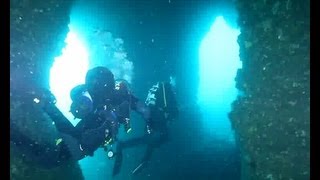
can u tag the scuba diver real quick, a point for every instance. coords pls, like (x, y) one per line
(163, 108)
(103, 100)
(101, 104)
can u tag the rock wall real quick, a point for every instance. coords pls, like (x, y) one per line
(272, 118)
(37, 32)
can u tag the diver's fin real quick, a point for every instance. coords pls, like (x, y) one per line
(118, 161)
(139, 168)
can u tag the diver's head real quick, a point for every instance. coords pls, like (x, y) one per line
(100, 82)
(82, 103)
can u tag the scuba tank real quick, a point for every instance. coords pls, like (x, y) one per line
(161, 100)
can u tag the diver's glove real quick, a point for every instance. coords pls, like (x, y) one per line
(44, 98)
(148, 129)
(92, 139)
(149, 126)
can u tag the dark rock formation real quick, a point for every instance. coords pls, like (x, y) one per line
(272, 118)
(37, 32)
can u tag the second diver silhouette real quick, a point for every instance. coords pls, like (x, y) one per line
(163, 106)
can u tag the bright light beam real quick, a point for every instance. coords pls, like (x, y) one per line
(68, 70)
(218, 64)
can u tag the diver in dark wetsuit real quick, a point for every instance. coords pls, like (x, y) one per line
(101, 105)
(163, 108)
(102, 95)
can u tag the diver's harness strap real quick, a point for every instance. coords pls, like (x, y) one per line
(164, 95)
(152, 99)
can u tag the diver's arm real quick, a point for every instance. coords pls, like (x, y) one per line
(61, 122)
(70, 148)
(89, 142)
(47, 101)
(141, 108)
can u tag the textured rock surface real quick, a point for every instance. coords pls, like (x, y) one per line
(37, 32)
(272, 119)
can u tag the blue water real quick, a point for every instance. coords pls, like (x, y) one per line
(202, 144)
